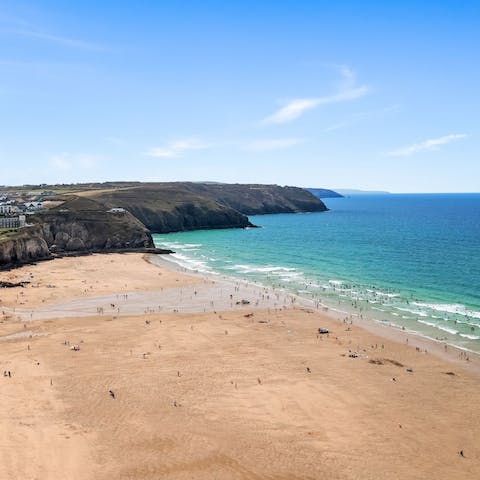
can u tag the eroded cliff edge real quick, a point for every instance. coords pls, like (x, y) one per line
(121, 217)
(29, 246)
(169, 207)
(82, 224)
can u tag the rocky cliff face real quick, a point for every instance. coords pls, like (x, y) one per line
(74, 231)
(25, 248)
(167, 208)
(85, 222)
(92, 230)
(172, 207)
(189, 217)
(254, 199)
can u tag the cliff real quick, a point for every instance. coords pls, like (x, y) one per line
(82, 224)
(26, 247)
(122, 216)
(169, 207)
(255, 199)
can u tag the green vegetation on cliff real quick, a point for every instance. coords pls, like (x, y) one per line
(170, 207)
(122, 215)
(7, 233)
(25, 245)
(255, 199)
(84, 224)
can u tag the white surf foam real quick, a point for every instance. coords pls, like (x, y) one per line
(454, 308)
(430, 324)
(470, 337)
(420, 313)
(447, 329)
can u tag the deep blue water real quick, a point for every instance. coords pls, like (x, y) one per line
(410, 260)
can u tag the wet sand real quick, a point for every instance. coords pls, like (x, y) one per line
(207, 392)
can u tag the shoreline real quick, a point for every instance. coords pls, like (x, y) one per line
(208, 386)
(146, 302)
(399, 289)
(8, 267)
(387, 331)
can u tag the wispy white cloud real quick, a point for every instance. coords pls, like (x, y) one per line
(427, 145)
(266, 144)
(347, 91)
(19, 27)
(57, 39)
(177, 148)
(70, 161)
(297, 107)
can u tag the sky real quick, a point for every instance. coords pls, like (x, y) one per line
(347, 94)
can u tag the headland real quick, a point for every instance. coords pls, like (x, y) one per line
(121, 216)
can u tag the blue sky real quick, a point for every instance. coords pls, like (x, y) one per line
(371, 94)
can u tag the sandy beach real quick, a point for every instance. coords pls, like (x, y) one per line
(176, 376)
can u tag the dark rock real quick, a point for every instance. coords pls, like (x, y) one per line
(13, 284)
(75, 244)
(25, 248)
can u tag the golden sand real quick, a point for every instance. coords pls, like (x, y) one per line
(218, 395)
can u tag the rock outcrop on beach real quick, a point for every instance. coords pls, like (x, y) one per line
(82, 224)
(27, 247)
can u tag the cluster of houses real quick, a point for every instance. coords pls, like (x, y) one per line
(15, 206)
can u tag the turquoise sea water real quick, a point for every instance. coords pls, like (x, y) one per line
(409, 260)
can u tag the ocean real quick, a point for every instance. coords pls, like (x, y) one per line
(411, 261)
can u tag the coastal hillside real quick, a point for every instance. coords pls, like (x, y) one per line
(182, 206)
(79, 225)
(82, 224)
(255, 199)
(122, 216)
(169, 207)
(248, 199)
